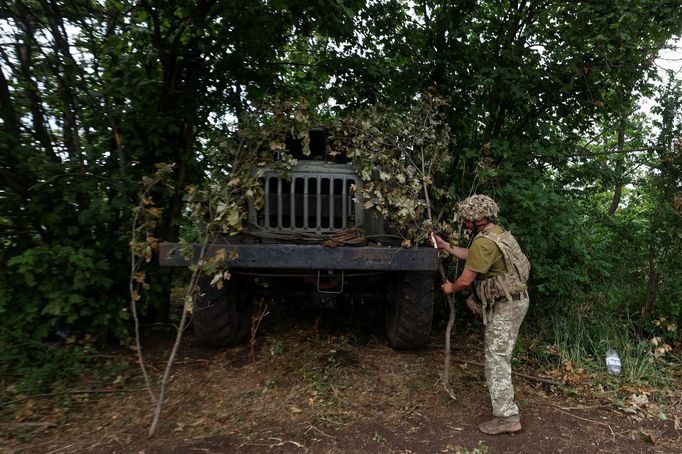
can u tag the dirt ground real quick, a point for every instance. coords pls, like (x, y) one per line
(324, 384)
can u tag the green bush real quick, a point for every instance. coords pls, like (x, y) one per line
(60, 287)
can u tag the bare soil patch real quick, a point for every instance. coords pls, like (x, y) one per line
(333, 385)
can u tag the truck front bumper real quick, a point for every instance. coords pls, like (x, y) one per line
(306, 257)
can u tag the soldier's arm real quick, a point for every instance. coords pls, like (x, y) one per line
(463, 281)
(459, 252)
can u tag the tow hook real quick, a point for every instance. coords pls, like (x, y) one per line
(331, 282)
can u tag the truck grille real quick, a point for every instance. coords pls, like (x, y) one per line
(310, 203)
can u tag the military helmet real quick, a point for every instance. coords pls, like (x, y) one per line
(476, 207)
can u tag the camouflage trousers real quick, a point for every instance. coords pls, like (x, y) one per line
(500, 337)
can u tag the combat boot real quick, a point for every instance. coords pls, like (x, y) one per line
(498, 426)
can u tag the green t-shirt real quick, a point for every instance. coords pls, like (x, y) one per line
(485, 258)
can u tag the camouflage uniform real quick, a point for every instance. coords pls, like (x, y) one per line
(500, 337)
(505, 302)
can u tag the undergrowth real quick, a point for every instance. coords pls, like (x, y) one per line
(576, 336)
(38, 377)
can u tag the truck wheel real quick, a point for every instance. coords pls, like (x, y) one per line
(409, 310)
(222, 317)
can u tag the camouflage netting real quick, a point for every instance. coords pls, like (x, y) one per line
(476, 207)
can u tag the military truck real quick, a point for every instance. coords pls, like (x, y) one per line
(313, 241)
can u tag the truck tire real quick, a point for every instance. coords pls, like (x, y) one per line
(409, 310)
(222, 317)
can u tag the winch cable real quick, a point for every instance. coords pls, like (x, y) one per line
(352, 236)
(349, 236)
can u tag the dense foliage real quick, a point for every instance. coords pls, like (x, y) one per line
(541, 112)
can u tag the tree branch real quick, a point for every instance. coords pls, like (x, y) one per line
(616, 151)
(64, 175)
(518, 374)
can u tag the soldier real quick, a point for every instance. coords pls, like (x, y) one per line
(499, 270)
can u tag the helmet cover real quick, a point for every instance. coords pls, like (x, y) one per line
(476, 207)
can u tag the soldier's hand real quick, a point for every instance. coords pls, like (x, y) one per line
(448, 287)
(440, 243)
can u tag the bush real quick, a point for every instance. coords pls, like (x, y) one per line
(50, 288)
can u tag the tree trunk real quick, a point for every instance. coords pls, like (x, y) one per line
(8, 113)
(618, 190)
(652, 283)
(64, 67)
(617, 195)
(10, 175)
(41, 131)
